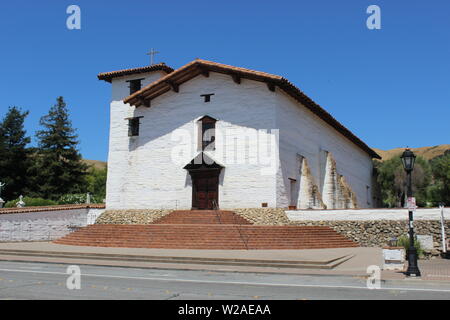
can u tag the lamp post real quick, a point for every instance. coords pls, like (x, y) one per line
(408, 159)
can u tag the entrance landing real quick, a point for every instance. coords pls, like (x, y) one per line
(203, 217)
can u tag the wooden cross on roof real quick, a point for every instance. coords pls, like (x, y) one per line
(152, 53)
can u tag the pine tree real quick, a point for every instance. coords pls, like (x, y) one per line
(14, 161)
(58, 161)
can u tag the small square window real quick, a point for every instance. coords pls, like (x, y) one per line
(133, 126)
(135, 85)
(207, 96)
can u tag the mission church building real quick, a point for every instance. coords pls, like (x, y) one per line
(200, 137)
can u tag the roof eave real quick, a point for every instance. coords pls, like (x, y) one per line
(108, 76)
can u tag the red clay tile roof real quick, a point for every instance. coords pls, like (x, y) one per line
(52, 208)
(108, 76)
(199, 66)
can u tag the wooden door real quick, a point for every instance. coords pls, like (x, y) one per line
(205, 191)
(212, 193)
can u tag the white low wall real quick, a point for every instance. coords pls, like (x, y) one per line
(46, 225)
(366, 214)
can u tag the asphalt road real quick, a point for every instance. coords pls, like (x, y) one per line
(24, 280)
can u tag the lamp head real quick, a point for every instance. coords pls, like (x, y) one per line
(408, 159)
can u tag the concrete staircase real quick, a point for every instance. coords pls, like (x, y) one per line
(222, 230)
(141, 259)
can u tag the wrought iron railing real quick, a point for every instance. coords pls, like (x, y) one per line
(215, 207)
(243, 237)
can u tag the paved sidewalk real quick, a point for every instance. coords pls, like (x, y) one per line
(356, 260)
(431, 270)
(287, 255)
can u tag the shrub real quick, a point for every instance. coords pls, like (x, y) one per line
(31, 202)
(403, 241)
(96, 182)
(77, 198)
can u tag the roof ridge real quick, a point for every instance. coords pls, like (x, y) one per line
(238, 68)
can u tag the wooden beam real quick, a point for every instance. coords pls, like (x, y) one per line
(271, 86)
(147, 94)
(186, 77)
(204, 72)
(173, 86)
(236, 78)
(144, 102)
(157, 93)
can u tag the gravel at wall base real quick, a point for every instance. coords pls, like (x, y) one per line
(135, 216)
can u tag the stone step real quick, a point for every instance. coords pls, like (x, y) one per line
(207, 236)
(168, 234)
(209, 242)
(218, 243)
(214, 231)
(329, 262)
(229, 237)
(202, 247)
(196, 233)
(146, 226)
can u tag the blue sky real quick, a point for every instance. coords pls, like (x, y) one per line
(391, 87)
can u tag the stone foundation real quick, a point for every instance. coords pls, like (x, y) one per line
(368, 233)
(264, 216)
(378, 233)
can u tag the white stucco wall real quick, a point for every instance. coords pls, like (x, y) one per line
(120, 87)
(304, 133)
(45, 226)
(118, 144)
(141, 172)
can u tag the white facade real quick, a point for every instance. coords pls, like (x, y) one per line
(147, 171)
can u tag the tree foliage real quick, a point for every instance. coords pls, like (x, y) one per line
(96, 182)
(440, 190)
(430, 181)
(14, 160)
(51, 170)
(58, 167)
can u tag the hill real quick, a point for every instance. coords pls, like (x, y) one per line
(425, 152)
(95, 163)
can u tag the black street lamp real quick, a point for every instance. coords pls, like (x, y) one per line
(408, 159)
